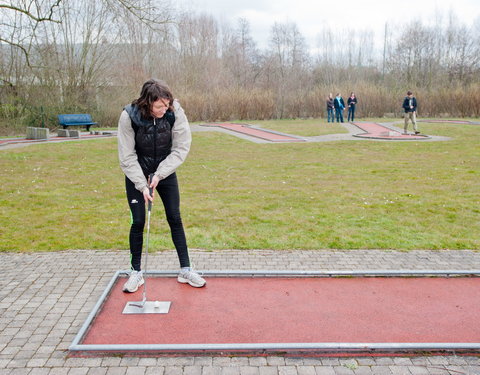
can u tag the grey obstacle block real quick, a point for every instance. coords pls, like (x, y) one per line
(63, 133)
(74, 133)
(37, 133)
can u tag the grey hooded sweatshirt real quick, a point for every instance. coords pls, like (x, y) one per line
(181, 141)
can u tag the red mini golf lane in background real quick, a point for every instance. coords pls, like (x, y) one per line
(258, 133)
(377, 131)
(7, 141)
(296, 310)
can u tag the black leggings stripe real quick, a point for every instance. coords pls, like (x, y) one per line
(168, 191)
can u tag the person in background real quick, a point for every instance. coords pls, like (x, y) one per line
(410, 107)
(330, 108)
(154, 139)
(351, 102)
(339, 107)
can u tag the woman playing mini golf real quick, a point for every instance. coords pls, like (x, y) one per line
(154, 138)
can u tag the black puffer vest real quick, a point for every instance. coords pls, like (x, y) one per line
(153, 138)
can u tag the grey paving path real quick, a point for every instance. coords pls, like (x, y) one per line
(46, 297)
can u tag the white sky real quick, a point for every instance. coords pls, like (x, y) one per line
(311, 15)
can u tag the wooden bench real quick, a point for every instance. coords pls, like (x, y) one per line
(81, 119)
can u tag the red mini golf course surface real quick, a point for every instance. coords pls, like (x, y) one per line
(258, 133)
(8, 141)
(377, 131)
(295, 310)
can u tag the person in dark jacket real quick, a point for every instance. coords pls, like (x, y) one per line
(330, 108)
(351, 102)
(410, 107)
(339, 107)
(154, 139)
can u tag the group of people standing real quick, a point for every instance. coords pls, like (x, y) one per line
(336, 106)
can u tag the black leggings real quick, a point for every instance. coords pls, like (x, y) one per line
(169, 193)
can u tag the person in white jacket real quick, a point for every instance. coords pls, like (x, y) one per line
(154, 139)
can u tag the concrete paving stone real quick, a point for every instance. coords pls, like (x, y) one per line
(312, 361)
(39, 371)
(92, 362)
(14, 363)
(211, 370)
(438, 371)
(418, 370)
(257, 361)
(457, 360)
(97, 371)
(137, 370)
(24, 354)
(59, 371)
(249, 370)
(384, 361)
(18, 342)
(44, 349)
(381, 370)
(4, 362)
(173, 370)
(366, 361)
(175, 361)
(288, 370)
(276, 361)
(348, 362)
(400, 370)
(78, 371)
(230, 371)
(363, 370)
(55, 362)
(111, 361)
(293, 361)
(202, 361)
(402, 361)
(11, 351)
(19, 371)
(221, 361)
(239, 361)
(474, 369)
(147, 362)
(192, 370)
(342, 370)
(129, 361)
(116, 370)
(306, 370)
(474, 361)
(155, 370)
(438, 360)
(270, 370)
(37, 362)
(75, 362)
(330, 362)
(420, 361)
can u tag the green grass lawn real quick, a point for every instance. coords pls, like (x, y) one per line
(241, 195)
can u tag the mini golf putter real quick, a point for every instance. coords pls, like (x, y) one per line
(144, 306)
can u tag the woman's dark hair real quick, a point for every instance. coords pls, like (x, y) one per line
(153, 90)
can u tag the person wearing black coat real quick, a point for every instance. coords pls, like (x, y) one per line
(351, 102)
(410, 107)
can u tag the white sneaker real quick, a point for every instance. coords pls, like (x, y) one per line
(191, 277)
(134, 282)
